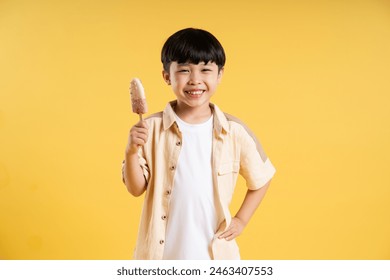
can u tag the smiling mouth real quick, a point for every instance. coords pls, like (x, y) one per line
(194, 92)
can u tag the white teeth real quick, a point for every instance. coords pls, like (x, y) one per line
(198, 92)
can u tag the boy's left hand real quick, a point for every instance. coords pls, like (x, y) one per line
(235, 228)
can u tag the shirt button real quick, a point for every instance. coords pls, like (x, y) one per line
(168, 192)
(163, 217)
(172, 167)
(178, 143)
(161, 241)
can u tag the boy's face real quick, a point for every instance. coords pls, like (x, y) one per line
(193, 84)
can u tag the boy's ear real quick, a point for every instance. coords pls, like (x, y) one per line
(220, 74)
(166, 77)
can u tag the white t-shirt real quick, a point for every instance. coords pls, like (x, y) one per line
(192, 220)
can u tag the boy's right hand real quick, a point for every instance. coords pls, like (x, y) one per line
(137, 137)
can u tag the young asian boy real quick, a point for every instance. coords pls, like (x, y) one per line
(186, 159)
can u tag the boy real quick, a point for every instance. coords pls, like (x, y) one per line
(187, 159)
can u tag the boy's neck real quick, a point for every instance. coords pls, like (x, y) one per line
(193, 115)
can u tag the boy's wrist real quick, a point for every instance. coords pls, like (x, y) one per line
(131, 151)
(242, 221)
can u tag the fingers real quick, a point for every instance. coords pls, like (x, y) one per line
(139, 133)
(235, 228)
(138, 136)
(142, 123)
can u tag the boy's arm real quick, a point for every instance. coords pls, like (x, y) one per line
(248, 207)
(133, 175)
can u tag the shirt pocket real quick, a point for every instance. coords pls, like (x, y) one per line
(227, 178)
(229, 167)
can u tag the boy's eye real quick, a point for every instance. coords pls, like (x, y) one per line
(183, 71)
(206, 70)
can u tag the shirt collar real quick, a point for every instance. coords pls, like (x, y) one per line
(220, 121)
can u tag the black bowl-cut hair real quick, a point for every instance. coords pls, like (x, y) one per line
(192, 45)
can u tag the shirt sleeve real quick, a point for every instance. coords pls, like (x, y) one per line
(142, 163)
(255, 166)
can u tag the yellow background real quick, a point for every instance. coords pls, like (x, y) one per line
(311, 78)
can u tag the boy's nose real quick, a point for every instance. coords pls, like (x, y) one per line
(194, 78)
